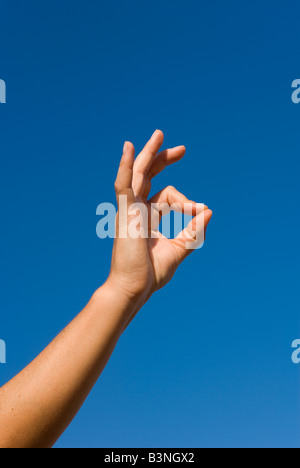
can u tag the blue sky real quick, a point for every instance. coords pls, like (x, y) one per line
(207, 363)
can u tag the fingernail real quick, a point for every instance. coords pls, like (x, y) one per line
(156, 131)
(125, 147)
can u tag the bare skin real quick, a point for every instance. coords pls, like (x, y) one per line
(40, 402)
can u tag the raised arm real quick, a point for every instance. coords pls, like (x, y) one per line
(40, 402)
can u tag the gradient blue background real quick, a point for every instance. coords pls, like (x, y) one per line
(207, 363)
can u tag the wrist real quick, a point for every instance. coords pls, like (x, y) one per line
(119, 301)
(133, 292)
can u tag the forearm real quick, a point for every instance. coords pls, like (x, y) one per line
(39, 403)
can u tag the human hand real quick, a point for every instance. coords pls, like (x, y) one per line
(145, 264)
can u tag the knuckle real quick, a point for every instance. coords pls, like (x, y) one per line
(117, 186)
(140, 172)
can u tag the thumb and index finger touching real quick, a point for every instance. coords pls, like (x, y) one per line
(202, 215)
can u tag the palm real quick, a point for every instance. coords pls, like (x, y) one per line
(164, 259)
